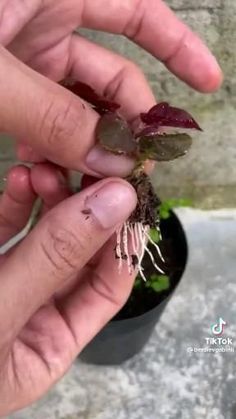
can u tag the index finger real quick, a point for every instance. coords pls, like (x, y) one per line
(152, 25)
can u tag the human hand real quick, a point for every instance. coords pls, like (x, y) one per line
(52, 121)
(56, 291)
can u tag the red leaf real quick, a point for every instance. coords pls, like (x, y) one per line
(100, 104)
(165, 115)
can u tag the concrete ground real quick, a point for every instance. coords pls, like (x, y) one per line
(168, 380)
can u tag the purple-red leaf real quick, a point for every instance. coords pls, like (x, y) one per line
(163, 114)
(100, 104)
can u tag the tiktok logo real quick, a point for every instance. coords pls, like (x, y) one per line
(218, 328)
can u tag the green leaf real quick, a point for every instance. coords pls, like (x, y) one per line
(159, 283)
(183, 202)
(115, 135)
(168, 205)
(164, 214)
(164, 147)
(155, 236)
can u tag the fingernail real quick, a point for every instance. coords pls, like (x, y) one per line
(112, 204)
(108, 164)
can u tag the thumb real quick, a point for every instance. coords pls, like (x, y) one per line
(58, 248)
(53, 121)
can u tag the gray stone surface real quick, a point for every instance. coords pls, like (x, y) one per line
(165, 381)
(208, 174)
(214, 21)
(193, 5)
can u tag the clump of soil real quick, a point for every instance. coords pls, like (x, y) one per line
(146, 211)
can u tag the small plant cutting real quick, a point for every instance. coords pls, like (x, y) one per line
(161, 134)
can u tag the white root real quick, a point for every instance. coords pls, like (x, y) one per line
(142, 274)
(156, 246)
(126, 249)
(159, 232)
(142, 241)
(118, 248)
(138, 234)
(133, 242)
(153, 260)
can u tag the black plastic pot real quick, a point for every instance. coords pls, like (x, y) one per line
(122, 339)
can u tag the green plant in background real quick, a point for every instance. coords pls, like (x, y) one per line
(168, 205)
(157, 283)
(154, 235)
(160, 283)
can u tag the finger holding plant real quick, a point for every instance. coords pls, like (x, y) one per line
(161, 134)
